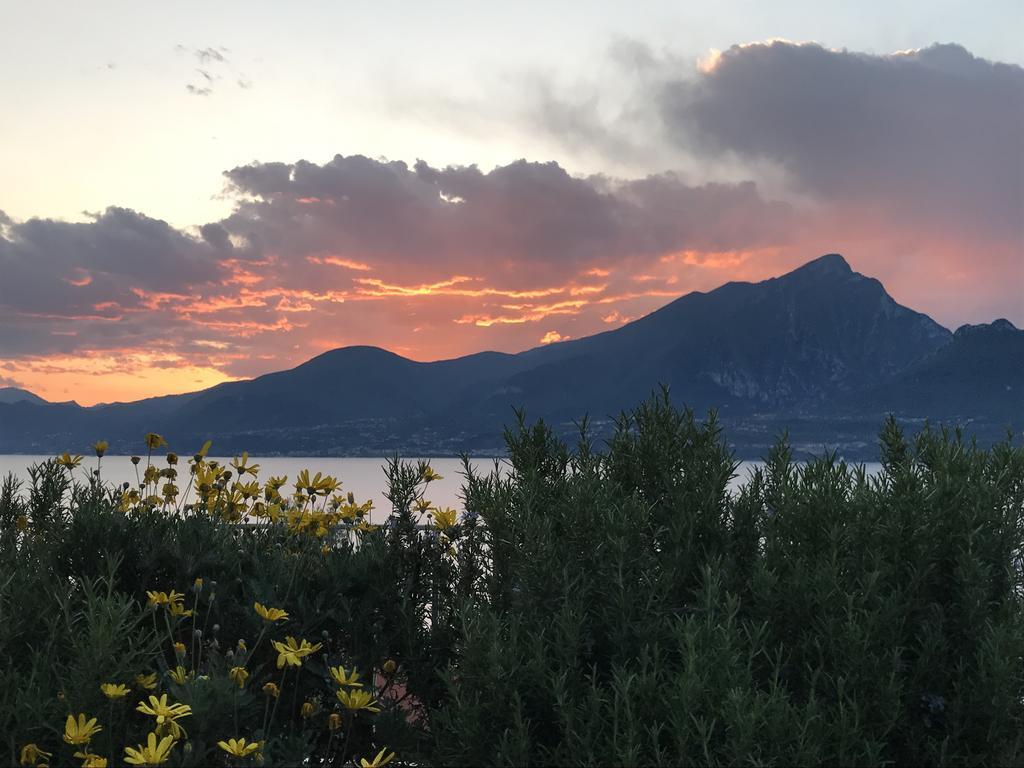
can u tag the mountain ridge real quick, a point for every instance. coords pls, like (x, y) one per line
(821, 347)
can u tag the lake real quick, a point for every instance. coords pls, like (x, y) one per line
(364, 477)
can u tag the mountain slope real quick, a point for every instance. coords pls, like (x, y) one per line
(982, 369)
(16, 395)
(823, 348)
(788, 342)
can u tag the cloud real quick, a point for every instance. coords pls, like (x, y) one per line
(935, 135)
(213, 63)
(500, 222)
(907, 163)
(429, 261)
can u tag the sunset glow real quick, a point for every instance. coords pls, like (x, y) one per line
(522, 213)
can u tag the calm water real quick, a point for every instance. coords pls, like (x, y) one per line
(363, 477)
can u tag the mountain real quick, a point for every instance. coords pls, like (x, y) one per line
(16, 395)
(982, 366)
(822, 351)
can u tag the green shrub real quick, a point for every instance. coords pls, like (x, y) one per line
(590, 606)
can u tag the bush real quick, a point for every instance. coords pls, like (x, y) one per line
(587, 607)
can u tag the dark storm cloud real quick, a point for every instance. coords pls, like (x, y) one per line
(89, 274)
(515, 215)
(935, 135)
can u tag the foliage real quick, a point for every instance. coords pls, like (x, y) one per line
(616, 606)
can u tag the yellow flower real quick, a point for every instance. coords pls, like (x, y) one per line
(356, 700)
(170, 728)
(178, 675)
(334, 721)
(156, 598)
(272, 690)
(242, 466)
(80, 731)
(306, 710)
(238, 675)
(291, 652)
(390, 666)
(114, 690)
(238, 747)
(68, 461)
(31, 753)
(428, 474)
(270, 614)
(179, 649)
(378, 761)
(91, 760)
(100, 448)
(178, 609)
(154, 441)
(445, 518)
(21, 523)
(146, 682)
(162, 710)
(319, 484)
(201, 454)
(351, 680)
(152, 754)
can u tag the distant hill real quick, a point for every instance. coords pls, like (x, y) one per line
(16, 395)
(979, 373)
(823, 351)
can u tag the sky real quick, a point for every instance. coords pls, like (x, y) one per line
(197, 192)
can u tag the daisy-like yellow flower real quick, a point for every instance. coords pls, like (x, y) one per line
(380, 760)
(239, 747)
(170, 728)
(31, 754)
(306, 710)
(68, 461)
(80, 731)
(178, 609)
(146, 682)
(238, 676)
(356, 700)
(153, 753)
(243, 467)
(179, 674)
(390, 666)
(270, 614)
(428, 475)
(272, 690)
(153, 599)
(445, 518)
(162, 710)
(341, 678)
(179, 649)
(114, 690)
(154, 441)
(201, 453)
(100, 447)
(291, 652)
(91, 761)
